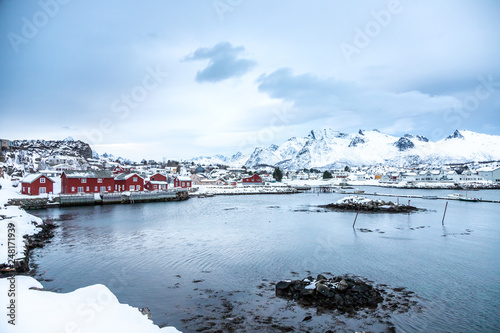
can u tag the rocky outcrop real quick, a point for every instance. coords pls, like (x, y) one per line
(33, 241)
(404, 144)
(355, 203)
(53, 147)
(340, 293)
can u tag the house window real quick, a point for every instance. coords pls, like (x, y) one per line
(80, 189)
(95, 188)
(42, 180)
(99, 180)
(135, 179)
(183, 184)
(131, 187)
(155, 186)
(116, 187)
(88, 189)
(72, 189)
(42, 190)
(109, 188)
(103, 188)
(84, 180)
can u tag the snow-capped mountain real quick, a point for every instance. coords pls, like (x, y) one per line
(237, 160)
(328, 149)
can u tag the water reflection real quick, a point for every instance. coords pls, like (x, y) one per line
(150, 254)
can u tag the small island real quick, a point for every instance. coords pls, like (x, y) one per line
(360, 203)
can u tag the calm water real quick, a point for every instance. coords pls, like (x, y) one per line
(227, 245)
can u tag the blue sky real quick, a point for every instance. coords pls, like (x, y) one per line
(177, 79)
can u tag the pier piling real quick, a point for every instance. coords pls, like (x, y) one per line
(444, 214)
(355, 218)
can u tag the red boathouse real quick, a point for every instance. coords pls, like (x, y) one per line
(36, 183)
(90, 181)
(129, 182)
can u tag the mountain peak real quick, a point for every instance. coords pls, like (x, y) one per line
(455, 135)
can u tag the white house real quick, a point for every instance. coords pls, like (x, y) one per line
(490, 173)
(470, 176)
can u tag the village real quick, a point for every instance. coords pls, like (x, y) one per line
(58, 174)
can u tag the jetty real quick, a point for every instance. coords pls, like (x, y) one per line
(91, 199)
(425, 197)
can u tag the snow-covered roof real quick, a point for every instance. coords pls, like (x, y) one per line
(183, 178)
(488, 169)
(88, 174)
(157, 182)
(124, 176)
(32, 177)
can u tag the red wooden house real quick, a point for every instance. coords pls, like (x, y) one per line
(153, 185)
(129, 182)
(158, 177)
(35, 184)
(182, 181)
(253, 180)
(89, 181)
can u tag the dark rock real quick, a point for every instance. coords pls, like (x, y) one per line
(146, 312)
(455, 135)
(342, 293)
(404, 144)
(356, 141)
(307, 318)
(283, 284)
(342, 285)
(323, 289)
(320, 278)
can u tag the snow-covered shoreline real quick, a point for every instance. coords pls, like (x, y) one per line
(92, 309)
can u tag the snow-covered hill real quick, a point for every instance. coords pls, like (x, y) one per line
(328, 149)
(40, 154)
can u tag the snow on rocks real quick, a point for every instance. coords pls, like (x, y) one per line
(355, 203)
(93, 309)
(341, 293)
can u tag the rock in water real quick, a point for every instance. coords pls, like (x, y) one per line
(341, 293)
(343, 285)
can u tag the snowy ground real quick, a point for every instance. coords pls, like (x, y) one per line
(24, 223)
(92, 309)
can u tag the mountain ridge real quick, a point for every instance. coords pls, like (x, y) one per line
(328, 149)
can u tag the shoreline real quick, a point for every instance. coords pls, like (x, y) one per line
(59, 308)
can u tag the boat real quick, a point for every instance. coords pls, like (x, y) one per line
(468, 199)
(456, 196)
(431, 197)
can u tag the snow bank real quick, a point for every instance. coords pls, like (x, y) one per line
(24, 223)
(93, 309)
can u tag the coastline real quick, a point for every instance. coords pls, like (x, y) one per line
(45, 311)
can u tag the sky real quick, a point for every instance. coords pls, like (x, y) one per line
(177, 79)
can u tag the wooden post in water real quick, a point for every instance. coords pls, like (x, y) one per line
(356, 218)
(445, 207)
